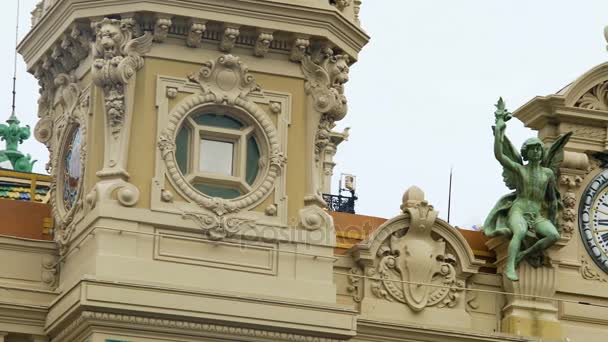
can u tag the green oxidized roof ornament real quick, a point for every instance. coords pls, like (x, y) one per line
(528, 215)
(14, 135)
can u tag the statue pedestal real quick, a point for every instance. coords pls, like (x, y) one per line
(526, 314)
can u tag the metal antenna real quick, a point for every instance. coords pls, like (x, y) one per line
(450, 194)
(15, 61)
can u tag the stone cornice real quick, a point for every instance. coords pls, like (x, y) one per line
(373, 330)
(27, 245)
(89, 318)
(25, 319)
(288, 19)
(80, 300)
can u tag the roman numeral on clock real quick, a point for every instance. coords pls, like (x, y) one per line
(602, 222)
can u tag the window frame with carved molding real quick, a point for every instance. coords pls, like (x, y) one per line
(239, 178)
(267, 114)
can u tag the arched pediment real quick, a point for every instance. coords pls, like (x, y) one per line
(590, 90)
(414, 249)
(366, 251)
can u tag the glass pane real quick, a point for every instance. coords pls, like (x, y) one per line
(72, 168)
(253, 160)
(182, 147)
(216, 157)
(215, 120)
(218, 191)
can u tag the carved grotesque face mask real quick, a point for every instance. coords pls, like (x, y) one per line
(109, 35)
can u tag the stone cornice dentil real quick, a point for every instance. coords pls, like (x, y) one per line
(88, 318)
(281, 26)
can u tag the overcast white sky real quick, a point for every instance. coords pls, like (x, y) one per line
(422, 94)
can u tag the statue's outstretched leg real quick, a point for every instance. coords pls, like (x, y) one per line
(549, 234)
(519, 227)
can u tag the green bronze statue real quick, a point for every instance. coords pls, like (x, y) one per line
(528, 215)
(14, 135)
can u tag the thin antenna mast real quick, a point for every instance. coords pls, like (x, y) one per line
(450, 194)
(15, 60)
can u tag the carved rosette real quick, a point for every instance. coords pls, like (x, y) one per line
(118, 56)
(226, 82)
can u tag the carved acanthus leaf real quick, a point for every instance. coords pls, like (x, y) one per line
(596, 98)
(589, 273)
(217, 227)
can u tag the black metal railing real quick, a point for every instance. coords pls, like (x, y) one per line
(343, 204)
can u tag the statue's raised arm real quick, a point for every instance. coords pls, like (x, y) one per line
(504, 151)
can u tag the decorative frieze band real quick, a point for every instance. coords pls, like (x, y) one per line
(90, 318)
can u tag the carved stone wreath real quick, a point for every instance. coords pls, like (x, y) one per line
(225, 82)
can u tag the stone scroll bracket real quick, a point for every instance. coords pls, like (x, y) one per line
(325, 73)
(118, 55)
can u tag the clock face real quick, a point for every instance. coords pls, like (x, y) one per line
(593, 220)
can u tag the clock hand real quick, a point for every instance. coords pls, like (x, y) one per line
(601, 211)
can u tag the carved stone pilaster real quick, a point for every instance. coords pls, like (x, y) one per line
(523, 304)
(118, 57)
(326, 75)
(568, 214)
(335, 139)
